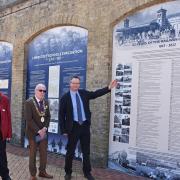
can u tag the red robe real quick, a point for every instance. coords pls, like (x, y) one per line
(6, 128)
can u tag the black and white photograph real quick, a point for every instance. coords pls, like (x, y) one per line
(127, 79)
(126, 102)
(117, 131)
(127, 90)
(119, 67)
(119, 86)
(128, 67)
(126, 120)
(126, 110)
(53, 127)
(119, 73)
(127, 86)
(115, 138)
(118, 107)
(54, 109)
(117, 125)
(125, 130)
(120, 79)
(118, 94)
(127, 72)
(126, 96)
(117, 118)
(124, 138)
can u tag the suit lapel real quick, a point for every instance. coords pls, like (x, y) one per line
(69, 102)
(37, 104)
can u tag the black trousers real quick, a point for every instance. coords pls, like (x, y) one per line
(82, 133)
(4, 171)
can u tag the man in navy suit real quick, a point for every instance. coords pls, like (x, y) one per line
(75, 120)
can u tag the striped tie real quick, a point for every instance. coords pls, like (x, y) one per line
(41, 107)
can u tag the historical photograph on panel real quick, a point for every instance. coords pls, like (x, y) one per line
(122, 104)
(53, 57)
(54, 109)
(53, 127)
(6, 52)
(144, 127)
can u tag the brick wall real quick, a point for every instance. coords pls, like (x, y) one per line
(19, 23)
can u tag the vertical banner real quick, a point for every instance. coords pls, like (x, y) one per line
(53, 58)
(145, 126)
(6, 51)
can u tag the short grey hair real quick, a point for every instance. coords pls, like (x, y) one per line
(38, 86)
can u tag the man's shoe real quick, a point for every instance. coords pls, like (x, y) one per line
(67, 177)
(44, 174)
(89, 176)
(6, 178)
(33, 178)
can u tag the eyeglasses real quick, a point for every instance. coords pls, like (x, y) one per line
(74, 83)
(41, 90)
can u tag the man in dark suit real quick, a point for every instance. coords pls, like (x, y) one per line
(75, 120)
(37, 116)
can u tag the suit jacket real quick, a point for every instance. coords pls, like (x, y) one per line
(6, 128)
(66, 107)
(33, 119)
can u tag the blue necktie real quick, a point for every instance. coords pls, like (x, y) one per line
(41, 107)
(79, 111)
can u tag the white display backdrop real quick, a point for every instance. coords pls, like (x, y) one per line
(145, 115)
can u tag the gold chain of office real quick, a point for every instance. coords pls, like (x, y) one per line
(37, 109)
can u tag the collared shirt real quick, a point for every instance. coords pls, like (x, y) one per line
(75, 114)
(37, 99)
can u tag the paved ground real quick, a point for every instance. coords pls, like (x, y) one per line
(18, 165)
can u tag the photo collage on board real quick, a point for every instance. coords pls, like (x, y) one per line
(122, 105)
